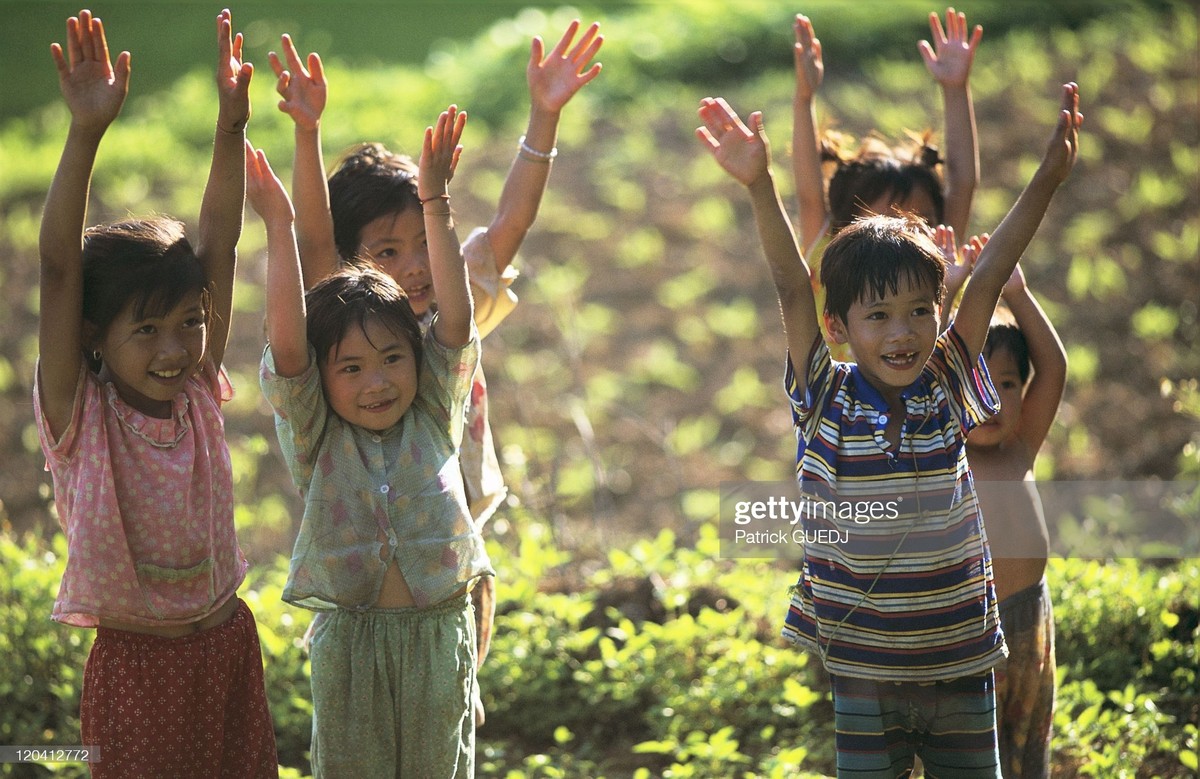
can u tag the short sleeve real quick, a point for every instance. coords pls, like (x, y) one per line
(969, 390)
(446, 377)
(62, 448)
(494, 300)
(819, 381)
(300, 413)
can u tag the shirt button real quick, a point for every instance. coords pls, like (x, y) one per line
(376, 438)
(385, 489)
(883, 419)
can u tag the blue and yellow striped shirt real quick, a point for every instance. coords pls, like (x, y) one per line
(898, 586)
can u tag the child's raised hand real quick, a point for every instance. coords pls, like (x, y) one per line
(264, 190)
(972, 249)
(956, 272)
(93, 89)
(742, 151)
(303, 89)
(440, 153)
(233, 77)
(1064, 143)
(949, 58)
(810, 68)
(554, 78)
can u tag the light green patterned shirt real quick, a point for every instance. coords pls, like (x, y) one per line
(403, 484)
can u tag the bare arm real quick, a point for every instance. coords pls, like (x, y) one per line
(304, 91)
(286, 329)
(1048, 359)
(225, 193)
(806, 152)
(94, 92)
(439, 158)
(745, 154)
(999, 257)
(949, 61)
(553, 81)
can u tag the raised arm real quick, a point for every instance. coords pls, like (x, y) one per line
(94, 92)
(553, 79)
(439, 158)
(745, 154)
(949, 62)
(304, 91)
(1008, 241)
(286, 330)
(225, 193)
(806, 151)
(1047, 357)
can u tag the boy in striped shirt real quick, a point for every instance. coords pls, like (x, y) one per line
(900, 604)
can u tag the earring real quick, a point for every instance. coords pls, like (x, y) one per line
(96, 355)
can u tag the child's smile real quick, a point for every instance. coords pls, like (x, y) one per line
(892, 336)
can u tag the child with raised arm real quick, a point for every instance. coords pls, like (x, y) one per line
(901, 609)
(127, 397)
(369, 414)
(877, 178)
(880, 179)
(370, 209)
(1002, 452)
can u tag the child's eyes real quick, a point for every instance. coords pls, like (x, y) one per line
(393, 358)
(350, 369)
(194, 322)
(922, 311)
(147, 330)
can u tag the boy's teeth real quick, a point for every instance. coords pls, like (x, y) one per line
(167, 374)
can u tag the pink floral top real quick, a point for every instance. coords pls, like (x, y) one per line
(146, 504)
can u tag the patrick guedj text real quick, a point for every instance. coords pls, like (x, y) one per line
(784, 509)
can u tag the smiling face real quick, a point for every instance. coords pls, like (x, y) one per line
(370, 376)
(396, 243)
(891, 335)
(149, 359)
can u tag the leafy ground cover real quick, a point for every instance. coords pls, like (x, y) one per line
(664, 661)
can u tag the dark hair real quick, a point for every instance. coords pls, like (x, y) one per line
(146, 261)
(1004, 335)
(370, 182)
(872, 254)
(875, 170)
(352, 296)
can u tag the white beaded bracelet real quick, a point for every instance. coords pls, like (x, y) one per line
(533, 155)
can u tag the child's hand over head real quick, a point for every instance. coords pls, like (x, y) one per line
(264, 190)
(972, 249)
(810, 67)
(949, 58)
(303, 90)
(555, 78)
(233, 77)
(440, 153)
(1064, 143)
(742, 151)
(956, 272)
(93, 89)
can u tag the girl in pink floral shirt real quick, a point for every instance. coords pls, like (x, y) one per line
(128, 397)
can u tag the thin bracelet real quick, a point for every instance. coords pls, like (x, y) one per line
(532, 154)
(444, 196)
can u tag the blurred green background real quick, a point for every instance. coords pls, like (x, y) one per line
(643, 366)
